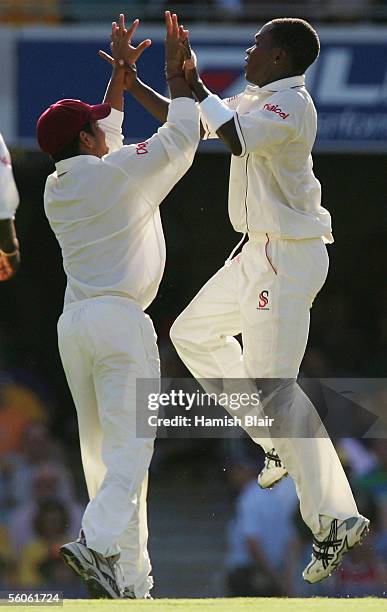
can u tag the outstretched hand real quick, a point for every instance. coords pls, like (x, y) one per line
(174, 50)
(123, 52)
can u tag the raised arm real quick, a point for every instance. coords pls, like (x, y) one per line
(154, 167)
(156, 104)
(218, 115)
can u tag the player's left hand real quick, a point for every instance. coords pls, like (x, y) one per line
(9, 264)
(123, 52)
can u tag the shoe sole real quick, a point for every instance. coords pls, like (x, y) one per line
(361, 533)
(93, 582)
(274, 483)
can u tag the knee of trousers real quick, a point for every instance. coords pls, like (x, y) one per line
(276, 394)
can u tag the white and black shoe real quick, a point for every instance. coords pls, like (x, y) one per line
(128, 593)
(272, 472)
(99, 573)
(335, 538)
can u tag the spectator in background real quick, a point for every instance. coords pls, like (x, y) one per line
(49, 480)
(229, 8)
(38, 448)
(374, 481)
(9, 201)
(259, 535)
(7, 562)
(19, 407)
(29, 11)
(363, 572)
(40, 554)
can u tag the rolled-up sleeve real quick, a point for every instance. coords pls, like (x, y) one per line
(9, 197)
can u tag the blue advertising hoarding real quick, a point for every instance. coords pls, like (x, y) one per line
(348, 82)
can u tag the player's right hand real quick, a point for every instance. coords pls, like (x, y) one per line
(174, 52)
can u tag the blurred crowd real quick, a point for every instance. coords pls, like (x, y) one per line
(229, 11)
(269, 545)
(41, 504)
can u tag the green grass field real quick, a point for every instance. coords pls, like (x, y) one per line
(368, 604)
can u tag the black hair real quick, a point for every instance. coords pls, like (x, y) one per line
(46, 506)
(299, 39)
(72, 149)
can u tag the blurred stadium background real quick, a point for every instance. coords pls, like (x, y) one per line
(205, 509)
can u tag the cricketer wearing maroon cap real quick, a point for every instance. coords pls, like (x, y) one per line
(69, 127)
(102, 202)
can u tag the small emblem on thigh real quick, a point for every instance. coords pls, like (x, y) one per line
(263, 300)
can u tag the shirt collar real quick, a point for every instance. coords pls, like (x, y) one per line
(65, 165)
(295, 81)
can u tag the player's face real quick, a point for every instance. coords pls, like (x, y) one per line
(260, 58)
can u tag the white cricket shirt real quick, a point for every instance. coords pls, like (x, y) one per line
(272, 186)
(105, 212)
(9, 197)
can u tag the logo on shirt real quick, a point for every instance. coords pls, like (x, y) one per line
(263, 300)
(142, 148)
(273, 108)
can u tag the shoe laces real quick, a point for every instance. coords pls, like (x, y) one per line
(324, 550)
(272, 456)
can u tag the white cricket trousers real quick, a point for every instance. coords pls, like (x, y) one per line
(265, 293)
(105, 343)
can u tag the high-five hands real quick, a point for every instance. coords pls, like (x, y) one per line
(179, 55)
(123, 52)
(174, 43)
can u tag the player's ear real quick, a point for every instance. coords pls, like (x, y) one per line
(86, 140)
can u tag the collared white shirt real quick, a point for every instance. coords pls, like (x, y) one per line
(272, 186)
(105, 212)
(9, 197)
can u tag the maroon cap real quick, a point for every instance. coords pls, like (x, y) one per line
(62, 122)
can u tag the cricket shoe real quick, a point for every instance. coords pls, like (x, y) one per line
(333, 541)
(128, 593)
(99, 573)
(272, 472)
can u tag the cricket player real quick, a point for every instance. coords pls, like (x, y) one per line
(9, 201)
(102, 203)
(267, 291)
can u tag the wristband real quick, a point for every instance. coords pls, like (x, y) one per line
(175, 76)
(215, 112)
